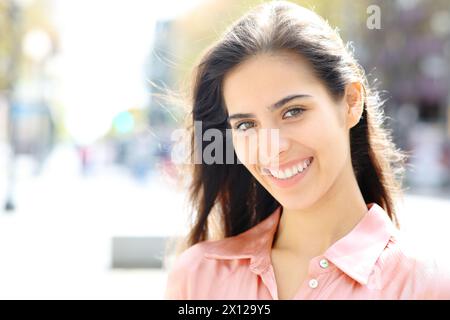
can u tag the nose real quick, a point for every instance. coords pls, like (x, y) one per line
(272, 146)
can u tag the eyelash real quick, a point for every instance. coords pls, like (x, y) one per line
(302, 110)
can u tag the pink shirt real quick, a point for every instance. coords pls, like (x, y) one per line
(370, 262)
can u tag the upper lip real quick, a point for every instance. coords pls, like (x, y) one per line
(288, 165)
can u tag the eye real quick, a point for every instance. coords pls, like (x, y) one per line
(293, 112)
(244, 125)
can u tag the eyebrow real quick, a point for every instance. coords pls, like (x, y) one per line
(272, 107)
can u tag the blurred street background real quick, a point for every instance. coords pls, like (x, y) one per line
(88, 192)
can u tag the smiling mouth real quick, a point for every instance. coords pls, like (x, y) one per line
(290, 172)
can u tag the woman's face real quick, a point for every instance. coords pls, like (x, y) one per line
(297, 148)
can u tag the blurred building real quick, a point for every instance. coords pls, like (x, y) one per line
(409, 56)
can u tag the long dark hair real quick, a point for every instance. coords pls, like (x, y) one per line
(229, 192)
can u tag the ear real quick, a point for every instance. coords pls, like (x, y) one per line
(354, 101)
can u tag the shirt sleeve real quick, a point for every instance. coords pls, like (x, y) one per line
(176, 284)
(181, 278)
(439, 285)
(434, 280)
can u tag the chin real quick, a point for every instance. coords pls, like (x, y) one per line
(295, 199)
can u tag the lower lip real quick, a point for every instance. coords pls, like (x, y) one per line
(286, 183)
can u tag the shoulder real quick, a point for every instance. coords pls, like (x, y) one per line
(185, 270)
(420, 271)
(190, 258)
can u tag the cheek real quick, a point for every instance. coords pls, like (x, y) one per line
(333, 146)
(326, 140)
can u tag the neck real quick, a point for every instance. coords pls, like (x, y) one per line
(308, 232)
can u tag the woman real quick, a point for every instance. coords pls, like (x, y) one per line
(307, 212)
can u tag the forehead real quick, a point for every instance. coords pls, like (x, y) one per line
(263, 79)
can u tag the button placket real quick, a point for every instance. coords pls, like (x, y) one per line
(324, 263)
(313, 283)
(318, 266)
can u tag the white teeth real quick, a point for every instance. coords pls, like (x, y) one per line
(288, 173)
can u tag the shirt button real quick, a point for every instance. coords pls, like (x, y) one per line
(313, 283)
(324, 263)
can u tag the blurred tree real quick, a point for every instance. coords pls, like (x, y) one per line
(29, 126)
(9, 47)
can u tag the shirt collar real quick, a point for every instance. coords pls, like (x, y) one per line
(355, 254)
